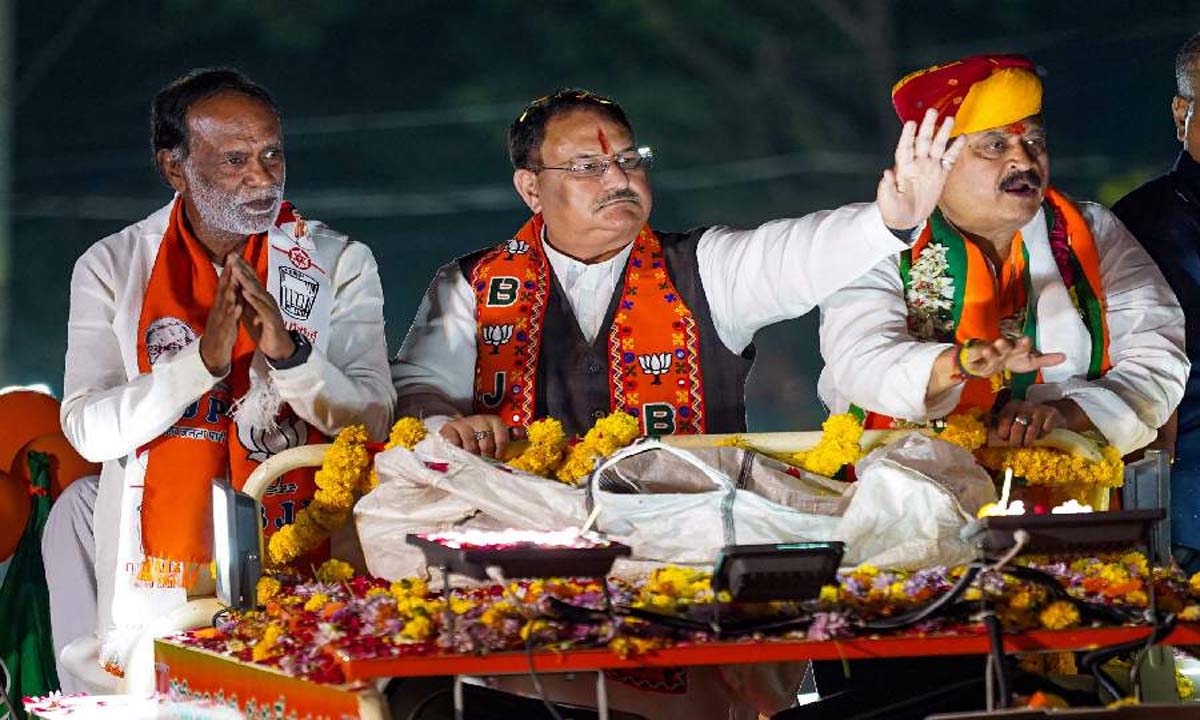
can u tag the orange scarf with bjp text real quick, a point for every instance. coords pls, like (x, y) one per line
(653, 343)
(203, 444)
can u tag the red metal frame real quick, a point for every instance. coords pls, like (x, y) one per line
(766, 651)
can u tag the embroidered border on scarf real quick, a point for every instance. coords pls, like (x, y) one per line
(653, 335)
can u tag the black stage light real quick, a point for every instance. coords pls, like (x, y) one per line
(583, 557)
(237, 545)
(781, 571)
(1066, 533)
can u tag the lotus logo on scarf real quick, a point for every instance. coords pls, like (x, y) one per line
(167, 336)
(655, 365)
(497, 335)
(516, 247)
(297, 293)
(265, 442)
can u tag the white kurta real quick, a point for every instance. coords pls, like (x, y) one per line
(872, 361)
(751, 278)
(110, 409)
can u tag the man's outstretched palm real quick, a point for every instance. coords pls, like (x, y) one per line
(910, 190)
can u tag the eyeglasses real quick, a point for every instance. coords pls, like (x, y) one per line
(588, 166)
(996, 146)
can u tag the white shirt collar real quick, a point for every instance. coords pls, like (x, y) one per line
(568, 270)
(589, 286)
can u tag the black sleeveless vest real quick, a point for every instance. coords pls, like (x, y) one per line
(572, 378)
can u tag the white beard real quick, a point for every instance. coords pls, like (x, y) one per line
(228, 213)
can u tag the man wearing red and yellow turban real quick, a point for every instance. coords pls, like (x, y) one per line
(1015, 299)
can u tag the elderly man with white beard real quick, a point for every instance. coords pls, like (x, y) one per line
(220, 330)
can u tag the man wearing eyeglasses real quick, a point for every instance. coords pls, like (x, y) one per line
(586, 310)
(1007, 261)
(1164, 214)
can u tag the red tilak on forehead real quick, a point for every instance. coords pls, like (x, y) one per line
(1017, 128)
(605, 146)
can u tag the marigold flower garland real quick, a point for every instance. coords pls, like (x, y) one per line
(839, 446)
(1076, 476)
(547, 442)
(965, 429)
(607, 436)
(345, 475)
(549, 455)
(343, 472)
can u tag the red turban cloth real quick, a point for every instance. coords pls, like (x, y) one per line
(980, 92)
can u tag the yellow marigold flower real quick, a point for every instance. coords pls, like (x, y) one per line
(1184, 685)
(1058, 615)
(377, 591)
(268, 588)
(1137, 597)
(496, 613)
(1191, 613)
(541, 458)
(411, 586)
(282, 546)
(316, 602)
(972, 594)
(839, 446)
(868, 571)
(1136, 561)
(406, 433)
(345, 472)
(419, 628)
(353, 434)
(1021, 600)
(829, 594)
(1048, 466)
(1194, 584)
(1081, 565)
(532, 627)
(459, 605)
(625, 646)
(965, 430)
(608, 435)
(547, 431)
(335, 571)
(1114, 573)
(621, 428)
(267, 645)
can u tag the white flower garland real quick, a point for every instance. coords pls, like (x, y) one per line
(930, 295)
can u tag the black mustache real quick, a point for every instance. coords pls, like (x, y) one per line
(618, 196)
(1029, 176)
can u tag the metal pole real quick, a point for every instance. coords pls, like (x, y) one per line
(8, 58)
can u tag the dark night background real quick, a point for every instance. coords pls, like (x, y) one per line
(395, 114)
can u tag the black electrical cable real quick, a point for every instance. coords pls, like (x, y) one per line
(537, 681)
(5, 688)
(497, 576)
(998, 660)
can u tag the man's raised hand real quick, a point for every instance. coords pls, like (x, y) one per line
(910, 190)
